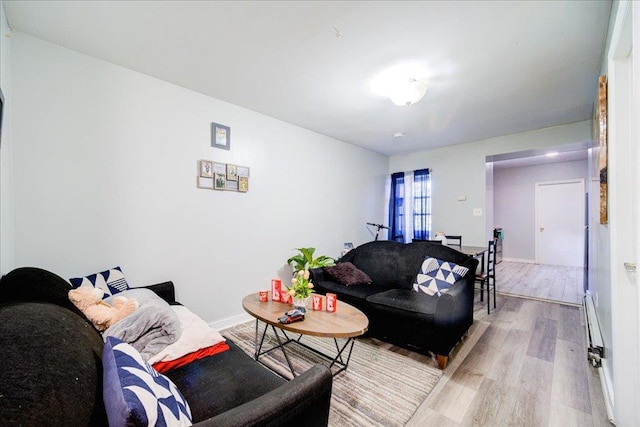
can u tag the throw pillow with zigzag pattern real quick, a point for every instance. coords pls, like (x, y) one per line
(436, 276)
(110, 282)
(135, 394)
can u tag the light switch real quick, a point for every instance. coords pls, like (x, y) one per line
(477, 211)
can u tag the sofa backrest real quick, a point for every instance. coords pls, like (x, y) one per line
(395, 265)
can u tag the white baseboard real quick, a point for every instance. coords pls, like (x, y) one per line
(219, 325)
(607, 390)
(524, 261)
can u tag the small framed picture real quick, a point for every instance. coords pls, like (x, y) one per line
(220, 168)
(206, 168)
(206, 183)
(243, 184)
(243, 171)
(220, 136)
(232, 172)
(219, 182)
(231, 185)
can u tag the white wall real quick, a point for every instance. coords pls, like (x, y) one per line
(460, 170)
(6, 191)
(514, 203)
(105, 163)
(599, 281)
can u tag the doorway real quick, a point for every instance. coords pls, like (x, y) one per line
(560, 223)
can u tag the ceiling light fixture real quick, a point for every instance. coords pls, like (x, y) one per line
(552, 154)
(403, 84)
(408, 92)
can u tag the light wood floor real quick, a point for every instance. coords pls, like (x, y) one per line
(525, 364)
(549, 282)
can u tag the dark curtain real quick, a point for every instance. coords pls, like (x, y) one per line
(421, 204)
(396, 208)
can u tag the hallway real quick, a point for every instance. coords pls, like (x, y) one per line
(546, 282)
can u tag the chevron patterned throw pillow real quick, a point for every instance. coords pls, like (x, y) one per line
(135, 394)
(109, 281)
(436, 276)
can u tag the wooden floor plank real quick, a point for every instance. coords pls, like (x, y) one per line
(522, 365)
(551, 282)
(542, 343)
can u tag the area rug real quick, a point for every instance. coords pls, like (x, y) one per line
(379, 388)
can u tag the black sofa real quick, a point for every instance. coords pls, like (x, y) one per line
(52, 370)
(397, 314)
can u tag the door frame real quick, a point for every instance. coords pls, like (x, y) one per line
(537, 213)
(622, 371)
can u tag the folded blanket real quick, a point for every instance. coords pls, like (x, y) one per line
(196, 335)
(149, 329)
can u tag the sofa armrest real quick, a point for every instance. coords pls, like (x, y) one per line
(164, 290)
(303, 401)
(456, 306)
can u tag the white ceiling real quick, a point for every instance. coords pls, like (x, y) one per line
(494, 67)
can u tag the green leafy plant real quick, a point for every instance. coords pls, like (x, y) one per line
(305, 260)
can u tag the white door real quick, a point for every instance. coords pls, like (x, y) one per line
(560, 223)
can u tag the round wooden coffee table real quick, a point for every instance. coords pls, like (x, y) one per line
(347, 322)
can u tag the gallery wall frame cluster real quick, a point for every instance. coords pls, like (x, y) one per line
(223, 176)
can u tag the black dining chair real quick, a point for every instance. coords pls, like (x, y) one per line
(453, 240)
(488, 277)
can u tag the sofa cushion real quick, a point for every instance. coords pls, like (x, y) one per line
(135, 394)
(405, 300)
(238, 379)
(437, 276)
(355, 291)
(109, 281)
(347, 274)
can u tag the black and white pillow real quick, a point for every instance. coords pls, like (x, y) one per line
(109, 281)
(436, 276)
(135, 394)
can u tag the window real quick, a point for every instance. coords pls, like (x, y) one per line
(410, 206)
(421, 204)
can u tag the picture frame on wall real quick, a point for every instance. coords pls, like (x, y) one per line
(220, 136)
(1, 113)
(600, 138)
(205, 183)
(219, 181)
(232, 172)
(206, 168)
(243, 184)
(231, 185)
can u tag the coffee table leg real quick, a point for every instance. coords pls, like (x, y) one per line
(281, 345)
(338, 359)
(257, 347)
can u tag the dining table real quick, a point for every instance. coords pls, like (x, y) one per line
(476, 252)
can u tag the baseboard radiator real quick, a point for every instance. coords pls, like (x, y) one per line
(595, 344)
(595, 350)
